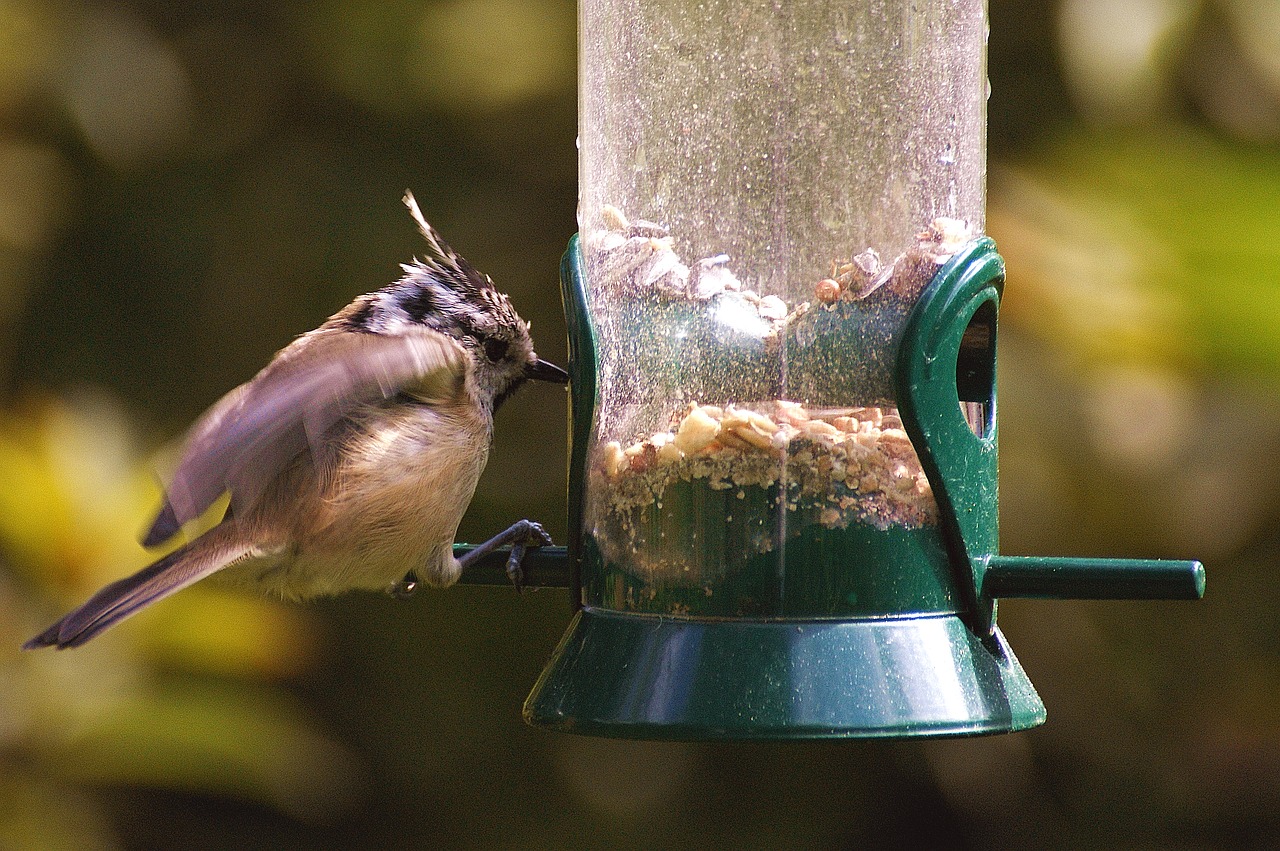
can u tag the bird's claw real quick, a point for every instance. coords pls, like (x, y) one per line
(534, 536)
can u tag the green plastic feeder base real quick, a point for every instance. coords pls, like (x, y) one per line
(654, 677)
(880, 634)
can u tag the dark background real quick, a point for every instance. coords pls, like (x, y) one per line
(184, 187)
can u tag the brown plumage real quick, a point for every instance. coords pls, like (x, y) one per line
(352, 456)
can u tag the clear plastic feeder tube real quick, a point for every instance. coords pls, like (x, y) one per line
(766, 188)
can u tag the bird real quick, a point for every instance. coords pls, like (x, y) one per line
(351, 457)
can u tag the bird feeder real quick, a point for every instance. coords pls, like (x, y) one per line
(783, 319)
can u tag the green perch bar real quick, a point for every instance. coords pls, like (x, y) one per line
(1056, 578)
(1092, 578)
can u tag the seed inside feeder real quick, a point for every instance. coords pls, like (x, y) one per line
(819, 465)
(849, 464)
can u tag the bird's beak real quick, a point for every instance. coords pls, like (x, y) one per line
(541, 370)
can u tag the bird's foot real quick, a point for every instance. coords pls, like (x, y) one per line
(523, 535)
(532, 537)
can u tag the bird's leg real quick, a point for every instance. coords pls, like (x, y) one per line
(523, 535)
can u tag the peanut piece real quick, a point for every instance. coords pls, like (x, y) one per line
(821, 427)
(669, 453)
(753, 437)
(614, 219)
(696, 431)
(613, 458)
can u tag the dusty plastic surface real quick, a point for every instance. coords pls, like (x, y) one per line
(765, 191)
(777, 133)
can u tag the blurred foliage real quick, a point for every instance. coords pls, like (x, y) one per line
(156, 701)
(183, 187)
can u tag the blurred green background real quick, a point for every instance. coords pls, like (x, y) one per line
(185, 186)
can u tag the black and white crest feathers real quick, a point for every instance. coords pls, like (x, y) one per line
(442, 291)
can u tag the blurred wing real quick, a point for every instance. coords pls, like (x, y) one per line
(254, 432)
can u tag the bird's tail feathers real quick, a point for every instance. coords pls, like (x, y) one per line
(208, 554)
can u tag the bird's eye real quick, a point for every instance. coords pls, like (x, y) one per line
(495, 350)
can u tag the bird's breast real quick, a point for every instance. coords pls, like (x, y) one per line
(394, 499)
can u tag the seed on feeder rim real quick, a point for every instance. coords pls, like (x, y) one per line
(732, 417)
(653, 230)
(696, 431)
(867, 438)
(614, 219)
(772, 307)
(895, 439)
(827, 290)
(792, 412)
(669, 453)
(855, 450)
(820, 427)
(614, 458)
(732, 439)
(607, 241)
(868, 262)
(951, 233)
(711, 276)
(760, 422)
(644, 459)
(753, 437)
